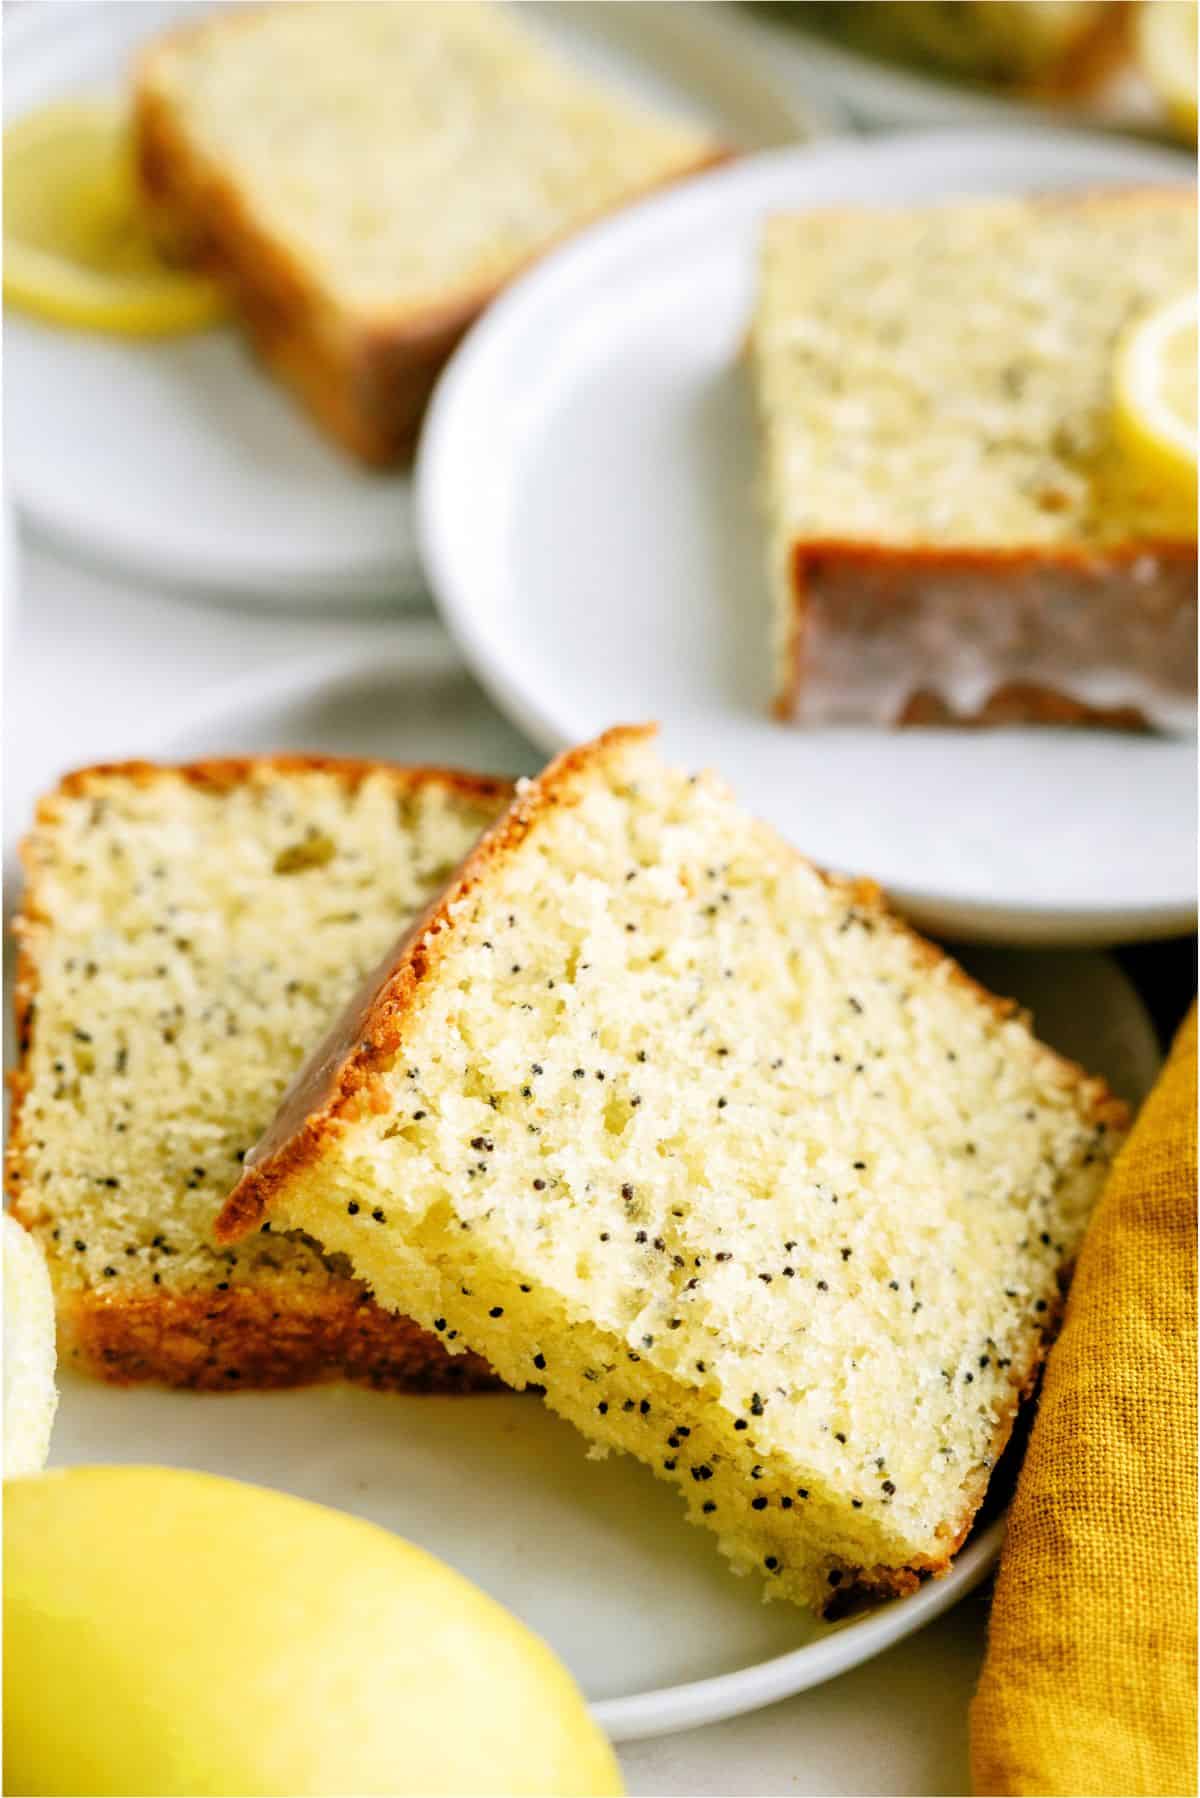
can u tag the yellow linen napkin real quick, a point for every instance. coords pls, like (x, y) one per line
(1089, 1686)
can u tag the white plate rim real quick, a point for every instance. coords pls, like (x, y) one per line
(1083, 923)
(673, 1708)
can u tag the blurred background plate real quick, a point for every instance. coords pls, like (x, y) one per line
(879, 94)
(592, 1555)
(179, 460)
(597, 428)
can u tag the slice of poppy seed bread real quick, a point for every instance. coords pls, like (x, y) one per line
(954, 533)
(369, 177)
(756, 1183)
(187, 933)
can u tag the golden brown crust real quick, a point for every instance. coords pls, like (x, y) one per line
(367, 381)
(1011, 702)
(221, 773)
(285, 1336)
(255, 1339)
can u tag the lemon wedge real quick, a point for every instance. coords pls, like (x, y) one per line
(1165, 39)
(1156, 401)
(77, 248)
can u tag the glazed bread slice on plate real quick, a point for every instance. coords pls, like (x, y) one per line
(953, 535)
(186, 935)
(755, 1183)
(370, 176)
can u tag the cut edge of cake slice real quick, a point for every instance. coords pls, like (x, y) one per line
(312, 1322)
(324, 1165)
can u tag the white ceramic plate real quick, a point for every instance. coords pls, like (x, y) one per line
(180, 460)
(592, 1555)
(596, 430)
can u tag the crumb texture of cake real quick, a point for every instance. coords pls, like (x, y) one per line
(945, 498)
(186, 935)
(371, 175)
(757, 1185)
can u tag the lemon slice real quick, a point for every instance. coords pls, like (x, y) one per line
(1165, 39)
(77, 248)
(1156, 400)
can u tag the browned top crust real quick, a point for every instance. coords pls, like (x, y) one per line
(339, 1077)
(221, 773)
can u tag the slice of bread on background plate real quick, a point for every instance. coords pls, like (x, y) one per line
(953, 534)
(186, 935)
(370, 176)
(757, 1184)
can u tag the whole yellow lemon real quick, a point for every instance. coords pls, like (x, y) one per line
(169, 1632)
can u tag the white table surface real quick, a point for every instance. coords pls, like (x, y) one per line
(90, 665)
